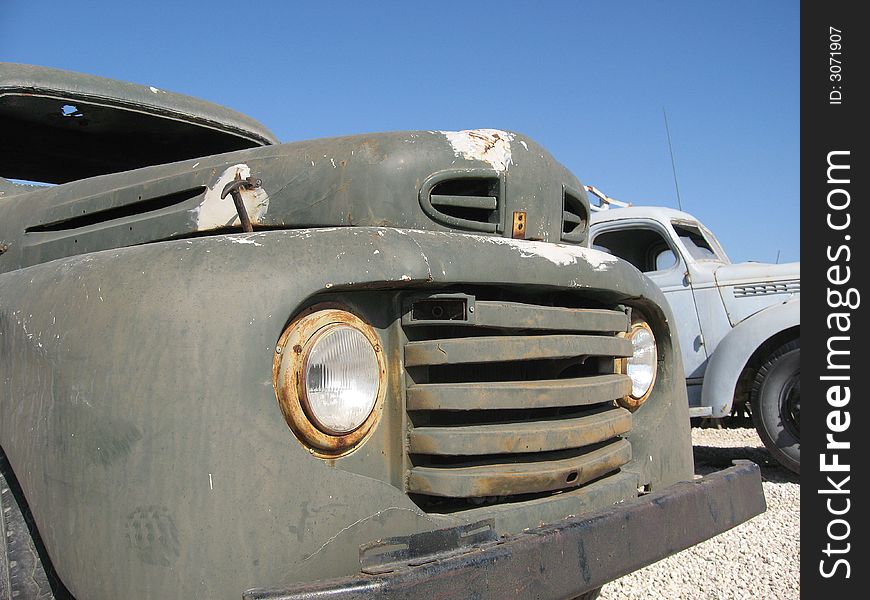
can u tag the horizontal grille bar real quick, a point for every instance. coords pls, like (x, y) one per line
(530, 436)
(508, 348)
(550, 393)
(480, 202)
(509, 315)
(518, 478)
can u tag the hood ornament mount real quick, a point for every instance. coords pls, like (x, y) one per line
(234, 188)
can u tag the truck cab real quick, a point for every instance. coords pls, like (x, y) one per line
(738, 324)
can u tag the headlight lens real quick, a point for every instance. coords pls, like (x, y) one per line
(341, 379)
(330, 379)
(641, 365)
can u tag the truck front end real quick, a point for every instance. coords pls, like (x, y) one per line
(411, 378)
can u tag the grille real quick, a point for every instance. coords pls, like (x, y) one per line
(764, 289)
(574, 217)
(467, 199)
(508, 401)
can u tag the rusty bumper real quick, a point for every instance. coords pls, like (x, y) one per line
(565, 559)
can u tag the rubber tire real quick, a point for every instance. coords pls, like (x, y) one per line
(782, 442)
(22, 575)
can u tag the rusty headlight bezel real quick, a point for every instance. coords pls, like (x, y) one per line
(630, 401)
(289, 371)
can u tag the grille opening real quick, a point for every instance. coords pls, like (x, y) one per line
(439, 505)
(574, 217)
(521, 370)
(131, 209)
(496, 417)
(472, 199)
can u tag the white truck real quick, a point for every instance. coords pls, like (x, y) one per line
(738, 324)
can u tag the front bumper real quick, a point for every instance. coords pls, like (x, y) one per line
(565, 559)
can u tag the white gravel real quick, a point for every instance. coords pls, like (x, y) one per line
(758, 559)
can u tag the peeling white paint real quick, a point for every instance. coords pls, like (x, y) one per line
(195, 165)
(492, 146)
(214, 212)
(242, 240)
(524, 145)
(559, 254)
(153, 89)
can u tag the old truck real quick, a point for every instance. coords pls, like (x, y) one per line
(738, 324)
(378, 365)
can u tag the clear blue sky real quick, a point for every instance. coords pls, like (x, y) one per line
(588, 80)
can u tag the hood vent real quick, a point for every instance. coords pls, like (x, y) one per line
(766, 289)
(575, 217)
(469, 199)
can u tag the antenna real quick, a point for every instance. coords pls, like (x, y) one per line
(777, 257)
(673, 162)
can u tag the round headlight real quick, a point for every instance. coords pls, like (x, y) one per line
(330, 378)
(341, 379)
(641, 365)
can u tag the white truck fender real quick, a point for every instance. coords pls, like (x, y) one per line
(734, 351)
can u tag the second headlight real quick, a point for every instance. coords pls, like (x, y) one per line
(641, 366)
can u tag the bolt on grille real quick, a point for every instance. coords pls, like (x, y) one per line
(507, 399)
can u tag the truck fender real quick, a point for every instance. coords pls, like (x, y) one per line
(734, 351)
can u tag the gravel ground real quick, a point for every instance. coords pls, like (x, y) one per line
(758, 559)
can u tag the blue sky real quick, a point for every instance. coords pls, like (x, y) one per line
(588, 80)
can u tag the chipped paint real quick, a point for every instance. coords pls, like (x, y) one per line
(492, 146)
(242, 240)
(214, 212)
(153, 89)
(559, 254)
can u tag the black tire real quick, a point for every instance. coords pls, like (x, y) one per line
(775, 405)
(22, 574)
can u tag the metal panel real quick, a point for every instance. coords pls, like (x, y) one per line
(533, 436)
(508, 348)
(492, 395)
(518, 478)
(565, 559)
